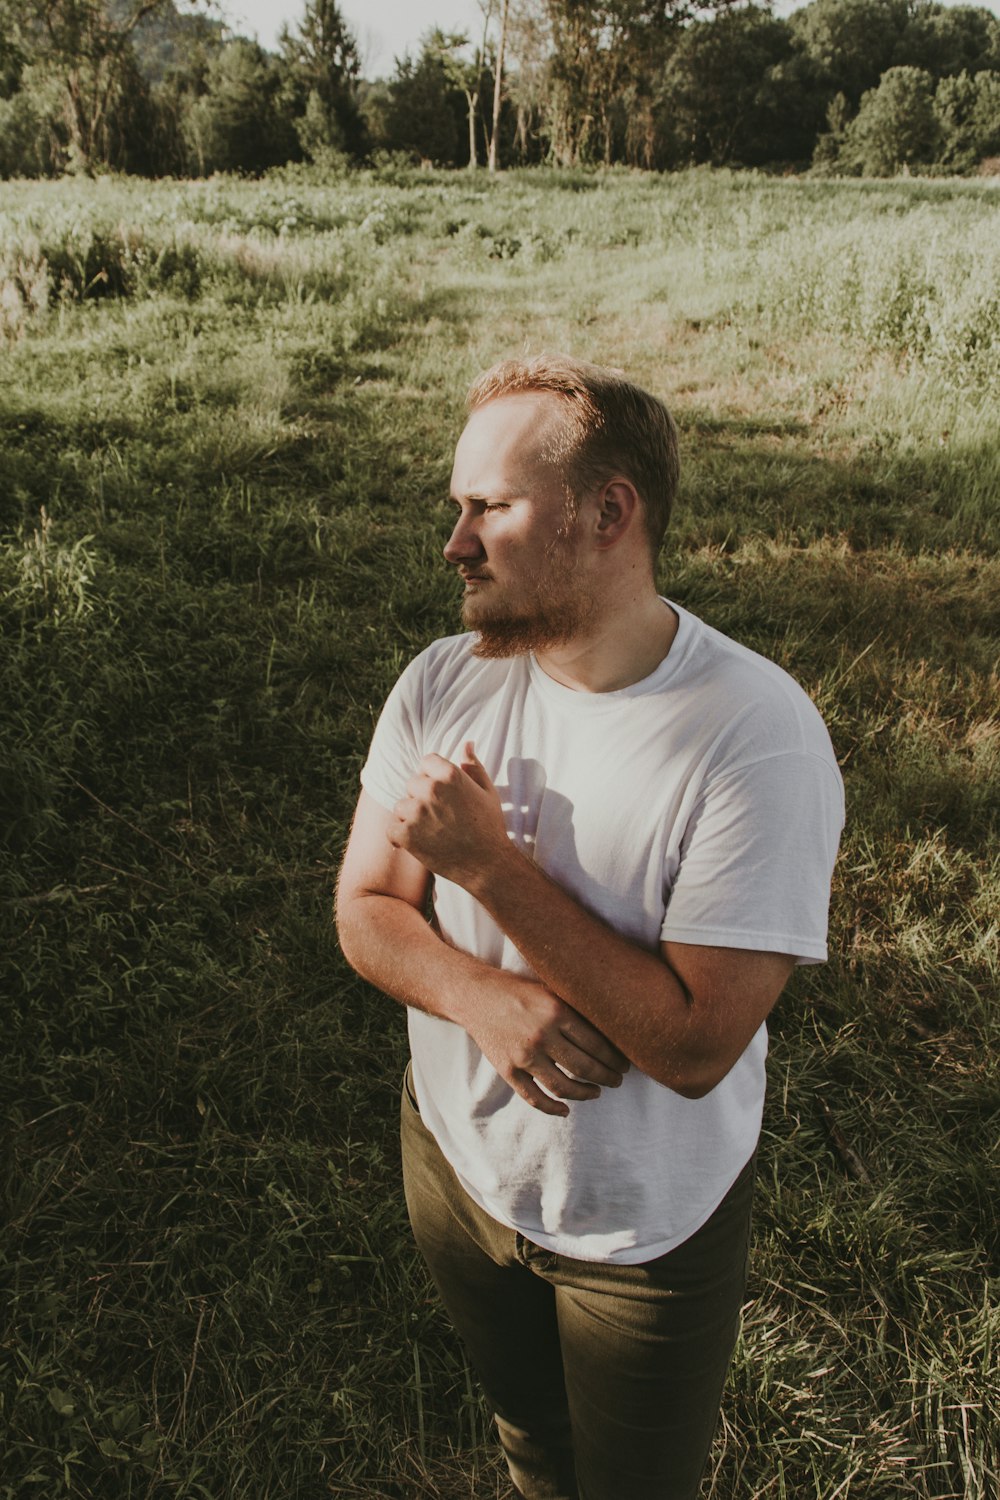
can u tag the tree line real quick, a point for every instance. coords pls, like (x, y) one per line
(845, 86)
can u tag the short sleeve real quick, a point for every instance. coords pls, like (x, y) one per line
(757, 857)
(396, 745)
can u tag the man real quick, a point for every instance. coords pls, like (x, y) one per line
(627, 824)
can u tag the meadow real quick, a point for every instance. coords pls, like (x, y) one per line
(226, 416)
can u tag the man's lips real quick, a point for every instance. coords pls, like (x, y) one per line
(468, 578)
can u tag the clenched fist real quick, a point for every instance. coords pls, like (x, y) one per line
(451, 819)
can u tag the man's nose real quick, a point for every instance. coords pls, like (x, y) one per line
(464, 542)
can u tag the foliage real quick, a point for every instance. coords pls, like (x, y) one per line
(169, 42)
(465, 75)
(88, 46)
(236, 122)
(322, 73)
(853, 42)
(13, 53)
(737, 89)
(425, 112)
(30, 144)
(858, 44)
(896, 126)
(145, 87)
(946, 40)
(526, 83)
(968, 111)
(601, 56)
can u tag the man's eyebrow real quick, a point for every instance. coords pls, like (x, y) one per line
(476, 495)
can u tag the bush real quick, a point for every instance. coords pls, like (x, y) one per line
(28, 139)
(236, 124)
(968, 112)
(896, 126)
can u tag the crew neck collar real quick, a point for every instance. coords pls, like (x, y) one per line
(584, 702)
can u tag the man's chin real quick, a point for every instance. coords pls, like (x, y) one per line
(502, 637)
(497, 636)
(492, 644)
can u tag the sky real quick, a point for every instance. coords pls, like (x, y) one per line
(385, 29)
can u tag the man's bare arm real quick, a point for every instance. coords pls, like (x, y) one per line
(525, 1030)
(683, 1014)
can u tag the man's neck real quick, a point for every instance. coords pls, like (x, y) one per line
(617, 651)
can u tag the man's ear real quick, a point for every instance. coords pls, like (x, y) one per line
(618, 507)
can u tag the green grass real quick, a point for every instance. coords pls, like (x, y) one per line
(226, 418)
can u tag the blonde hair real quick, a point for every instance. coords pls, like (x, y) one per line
(612, 428)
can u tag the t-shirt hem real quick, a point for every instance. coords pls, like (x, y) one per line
(569, 1248)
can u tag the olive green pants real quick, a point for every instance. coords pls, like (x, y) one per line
(605, 1379)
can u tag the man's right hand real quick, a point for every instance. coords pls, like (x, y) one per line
(533, 1038)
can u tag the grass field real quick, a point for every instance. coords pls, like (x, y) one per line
(226, 416)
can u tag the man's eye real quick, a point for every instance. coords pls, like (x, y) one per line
(497, 505)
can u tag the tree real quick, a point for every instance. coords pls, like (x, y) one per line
(465, 74)
(375, 106)
(170, 43)
(738, 90)
(569, 117)
(895, 127)
(13, 54)
(322, 75)
(968, 112)
(591, 61)
(425, 112)
(527, 80)
(852, 41)
(236, 124)
(498, 84)
(947, 40)
(88, 45)
(830, 143)
(30, 120)
(791, 109)
(603, 52)
(128, 135)
(986, 116)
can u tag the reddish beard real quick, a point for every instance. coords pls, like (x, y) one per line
(552, 608)
(535, 625)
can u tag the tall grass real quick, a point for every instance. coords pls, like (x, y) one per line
(225, 431)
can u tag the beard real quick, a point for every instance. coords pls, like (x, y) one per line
(538, 623)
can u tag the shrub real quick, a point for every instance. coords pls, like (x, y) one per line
(24, 285)
(896, 126)
(968, 111)
(28, 129)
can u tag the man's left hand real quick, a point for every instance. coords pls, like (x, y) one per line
(451, 818)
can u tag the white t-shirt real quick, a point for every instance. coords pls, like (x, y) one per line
(701, 805)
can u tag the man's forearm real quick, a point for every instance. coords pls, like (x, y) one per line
(391, 945)
(631, 994)
(684, 1014)
(544, 1049)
